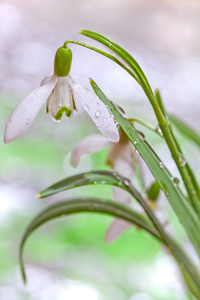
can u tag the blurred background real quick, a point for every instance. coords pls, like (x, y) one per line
(68, 258)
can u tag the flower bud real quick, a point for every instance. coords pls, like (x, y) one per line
(62, 61)
(153, 191)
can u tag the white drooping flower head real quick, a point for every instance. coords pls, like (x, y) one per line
(60, 92)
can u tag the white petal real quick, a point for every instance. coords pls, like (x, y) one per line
(121, 157)
(96, 110)
(121, 196)
(46, 79)
(26, 110)
(117, 227)
(61, 100)
(90, 144)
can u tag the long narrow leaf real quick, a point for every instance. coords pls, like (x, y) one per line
(68, 207)
(185, 129)
(180, 205)
(107, 177)
(87, 178)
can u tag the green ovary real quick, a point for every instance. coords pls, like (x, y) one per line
(61, 111)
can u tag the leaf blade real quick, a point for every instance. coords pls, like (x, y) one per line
(180, 205)
(85, 205)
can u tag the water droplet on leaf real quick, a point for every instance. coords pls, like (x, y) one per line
(141, 135)
(161, 164)
(175, 181)
(167, 193)
(126, 182)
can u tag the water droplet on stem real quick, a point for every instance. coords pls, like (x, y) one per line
(182, 161)
(159, 130)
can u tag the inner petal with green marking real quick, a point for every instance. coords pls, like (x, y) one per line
(61, 100)
(61, 111)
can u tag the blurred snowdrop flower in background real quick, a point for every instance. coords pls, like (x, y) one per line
(122, 159)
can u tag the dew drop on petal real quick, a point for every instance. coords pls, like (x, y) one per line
(28, 121)
(182, 161)
(91, 103)
(9, 121)
(136, 151)
(105, 122)
(86, 107)
(31, 99)
(98, 113)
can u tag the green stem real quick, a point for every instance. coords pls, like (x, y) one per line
(184, 169)
(111, 57)
(148, 126)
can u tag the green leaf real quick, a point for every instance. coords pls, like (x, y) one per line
(88, 178)
(107, 177)
(185, 130)
(68, 207)
(180, 205)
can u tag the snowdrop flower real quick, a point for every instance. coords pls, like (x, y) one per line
(60, 92)
(121, 157)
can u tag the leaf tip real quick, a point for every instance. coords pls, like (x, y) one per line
(38, 196)
(22, 269)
